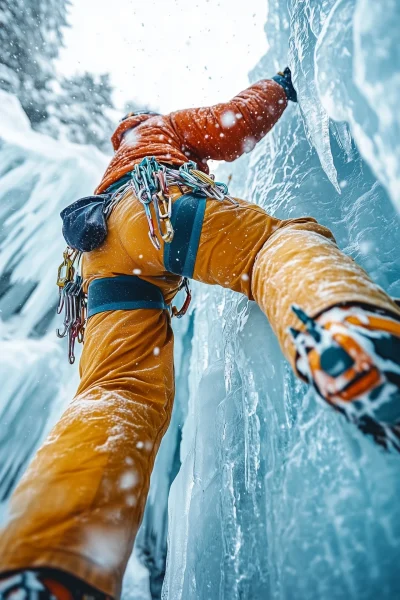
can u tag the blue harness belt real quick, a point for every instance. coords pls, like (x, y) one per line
(128, 292)
(124, 292)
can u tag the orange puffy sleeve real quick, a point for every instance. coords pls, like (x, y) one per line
(226, 131)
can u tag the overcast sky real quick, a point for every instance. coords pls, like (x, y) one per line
(168, 53)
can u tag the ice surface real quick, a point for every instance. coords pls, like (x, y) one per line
(38, 177)
(277, 497)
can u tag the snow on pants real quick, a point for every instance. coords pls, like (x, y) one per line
(80, 503)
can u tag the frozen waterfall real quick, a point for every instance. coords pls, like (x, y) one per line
(274, 496)
(278, 497)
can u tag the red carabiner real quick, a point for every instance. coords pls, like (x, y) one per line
(182, 311)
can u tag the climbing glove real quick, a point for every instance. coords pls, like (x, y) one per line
(285, 80)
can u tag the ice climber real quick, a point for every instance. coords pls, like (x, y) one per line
(74, 515)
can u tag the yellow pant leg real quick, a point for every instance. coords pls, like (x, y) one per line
(80, 503)
(301, 264)
(280, 263)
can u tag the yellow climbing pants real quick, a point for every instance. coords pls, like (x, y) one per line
(80, 503)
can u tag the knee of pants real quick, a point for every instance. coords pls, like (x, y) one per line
(306, 224)
(284, 248)
(291, 269)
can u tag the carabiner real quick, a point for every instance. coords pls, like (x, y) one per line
(60, 305)
(154, 240)
(143, 196)
(168, 235)
(71, 345)
(183, 310)
(162, 181)
(66, 270)
(204, 178)
(166, 205)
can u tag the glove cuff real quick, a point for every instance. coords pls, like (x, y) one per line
(285, 80)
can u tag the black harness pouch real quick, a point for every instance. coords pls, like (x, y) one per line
(85, 222)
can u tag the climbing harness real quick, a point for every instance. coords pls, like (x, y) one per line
(150, 182)
(85, 226)
(123, 292)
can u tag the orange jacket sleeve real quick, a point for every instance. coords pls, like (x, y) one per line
(226, 131)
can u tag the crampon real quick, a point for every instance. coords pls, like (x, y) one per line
(45, 584)
(351, 356)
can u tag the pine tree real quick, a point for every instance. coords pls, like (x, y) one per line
(30, 39)
(81, 111)
(78, 108)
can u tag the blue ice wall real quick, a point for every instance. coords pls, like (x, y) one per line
(278, 497)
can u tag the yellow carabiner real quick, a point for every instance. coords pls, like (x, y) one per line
(164, 212)
(166, 204)
(168, 236)
(66, 270)
(203, 177)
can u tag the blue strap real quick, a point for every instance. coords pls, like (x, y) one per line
(119, 183)
(187, 220)
(124, 292)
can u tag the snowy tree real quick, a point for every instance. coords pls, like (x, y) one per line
(30, 39)
(81, 112)
(77, 108)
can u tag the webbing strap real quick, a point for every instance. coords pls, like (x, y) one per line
(187, 221)
(124, 292)
(119, 183)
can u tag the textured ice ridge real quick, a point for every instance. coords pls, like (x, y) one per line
(277, 496)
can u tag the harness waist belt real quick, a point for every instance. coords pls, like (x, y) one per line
(124, 292)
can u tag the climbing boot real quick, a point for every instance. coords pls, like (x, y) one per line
(351, 356)
(46, 584)
(284, 78)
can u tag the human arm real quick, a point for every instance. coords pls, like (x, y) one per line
(225, 131)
